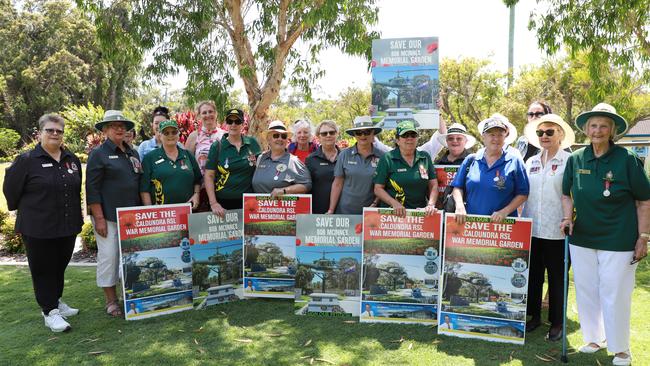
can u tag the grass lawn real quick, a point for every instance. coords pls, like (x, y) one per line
(262, 332)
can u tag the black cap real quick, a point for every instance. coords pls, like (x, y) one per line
(238, 113)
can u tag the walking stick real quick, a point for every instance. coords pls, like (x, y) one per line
(564, 358)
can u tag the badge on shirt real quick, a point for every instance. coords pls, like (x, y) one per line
(352, 162)
(324, 164)
(374, 162)
(74, 167)
(584, 171)
(499, 181)
(137, 168)
(113, 157)
(423, 172)
(183, 165)
(534, 170)
(159, 161)
(251, 159)
(401, 170)
(46, 165)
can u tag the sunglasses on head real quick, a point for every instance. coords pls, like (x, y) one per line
(325, 133)
(362, 133)
(548, 133)
(52, 131)
(535, 114)
(280, 135)
(409, 135)
(236, 121)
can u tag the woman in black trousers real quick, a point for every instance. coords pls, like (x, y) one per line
(44, 185)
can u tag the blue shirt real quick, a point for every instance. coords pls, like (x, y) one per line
(146, 147)
(490, 189)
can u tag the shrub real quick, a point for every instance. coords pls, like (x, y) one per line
(8, 141)
(80, 133)
(88, 237)
(12, 242)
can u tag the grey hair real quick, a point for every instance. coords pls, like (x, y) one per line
(612, 126)
(50, 117)
(327, 122)
(301, 123)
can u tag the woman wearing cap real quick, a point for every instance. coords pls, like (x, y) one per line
(170, 173)
(457, 143)
(279, 172)
(493, 180)
(112, 181)
(610, 193)
(405, 177)
(321, 165)
(545, 171)
(352, 188)
(301, 143)
(231, 165)
(44, 185)
(160, 114)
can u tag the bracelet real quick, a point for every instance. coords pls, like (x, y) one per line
(644, 235)
(566, 218)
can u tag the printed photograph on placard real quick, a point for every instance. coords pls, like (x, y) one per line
(328, 254)
(401, 266)
(485, 279)
(216, 247)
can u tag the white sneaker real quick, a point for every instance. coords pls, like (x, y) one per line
(620, 361)
(55, 321)
(66, 310)
(587, 348)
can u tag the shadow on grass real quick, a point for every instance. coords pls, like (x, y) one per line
(256, 332)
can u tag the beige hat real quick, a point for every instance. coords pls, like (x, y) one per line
(277, 126)
(512, 130)
(457, 129)
(114, 116)
(604, 109)
(531, 128)
(363, 123)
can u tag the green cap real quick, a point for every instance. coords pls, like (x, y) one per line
(404, 127)
(167, 123)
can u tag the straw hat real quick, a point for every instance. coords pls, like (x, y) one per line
(277, 127)
(531, 128)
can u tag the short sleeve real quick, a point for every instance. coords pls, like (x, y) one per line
(522, 186)
(195, 168)
(94, 177)
(338, 168)
(255, 147)
(147, 171)
(639, 182)
(213, 156)
(432, 169)
(461, 175)
(567, 179)
(381, 173)
(302, 173)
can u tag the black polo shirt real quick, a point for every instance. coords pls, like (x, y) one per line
(322, 176)
(112, 178)
(46, 193)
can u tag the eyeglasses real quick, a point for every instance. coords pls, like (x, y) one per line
(168, 132)
(409, 135)
(52, 131)
(325, 133)
(548, 133)
(535, 114)
(362, 132)
(280, 135)
(117, 126)
(236, 121)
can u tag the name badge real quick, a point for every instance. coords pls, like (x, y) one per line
(324, 163)
(46, 165)
(159, 161)
(352, 162)
(113, 157)
(534, 170)
(401, 170)
(584, 171)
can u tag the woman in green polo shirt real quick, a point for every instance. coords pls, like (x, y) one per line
(405, 177)
(230, 166)
(170, 173)
(606, 185)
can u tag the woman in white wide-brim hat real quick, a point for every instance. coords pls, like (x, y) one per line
(549, 135)
(457, 143)
(609, 232)
(279, 172)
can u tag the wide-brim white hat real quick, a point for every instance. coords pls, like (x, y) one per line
(457, 129)
(277, 127)
(512, 130)
(533, 139)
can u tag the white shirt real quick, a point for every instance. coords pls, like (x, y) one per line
(544, 203)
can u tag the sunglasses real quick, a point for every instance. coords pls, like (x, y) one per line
(52, 131)
(236, 121)
(168, 132)
(409, 135)
(535, 114)
(548, 133)
(325, 133)
(635, 260)
(280, 135)
(362, 133)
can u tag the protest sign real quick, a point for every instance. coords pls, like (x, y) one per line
(328, 254)
(216, 248)
(445, 174)
(155, 259)
(270, 243)
(485, 280)
(401, 266)
(405, 81)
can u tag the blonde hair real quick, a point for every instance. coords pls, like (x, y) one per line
(327, 122)
(204, 102)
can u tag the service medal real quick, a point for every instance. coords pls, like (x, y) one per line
(225, 164)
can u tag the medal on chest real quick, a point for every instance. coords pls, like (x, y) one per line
(225, 164)
(67, 165)
(609, 178)
(374, 161)
(279, 169)
(183, 165)
(251, 159)
(423, 172)
(554, 168)
(499, 181)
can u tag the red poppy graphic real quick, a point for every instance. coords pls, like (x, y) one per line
(127, 220)
(432, 47)
(373, 63)
(192, 241)
(298, 242)
(311, 244)
(358, 228)
(251, 206)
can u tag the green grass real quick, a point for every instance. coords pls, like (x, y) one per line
(261, 332)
